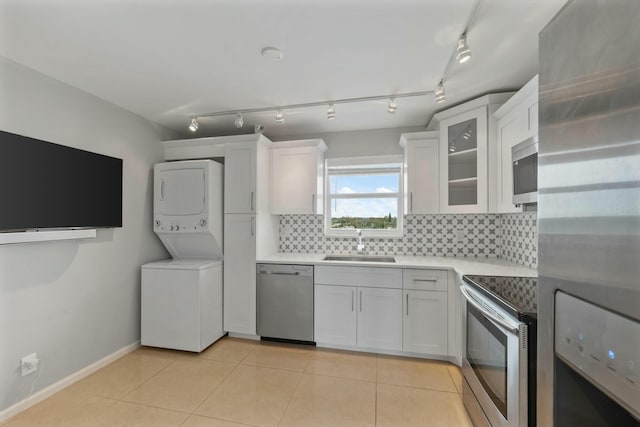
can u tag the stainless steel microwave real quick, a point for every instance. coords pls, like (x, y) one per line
(524, 158)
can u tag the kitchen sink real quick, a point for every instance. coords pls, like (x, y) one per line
(360, 258)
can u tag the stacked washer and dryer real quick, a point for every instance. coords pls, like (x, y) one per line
(182, 296)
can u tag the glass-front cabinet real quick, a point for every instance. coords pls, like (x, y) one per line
(463, 162)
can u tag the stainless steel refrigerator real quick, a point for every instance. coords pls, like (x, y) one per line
(589, 216)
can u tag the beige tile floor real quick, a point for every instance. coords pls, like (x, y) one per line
(237, 383)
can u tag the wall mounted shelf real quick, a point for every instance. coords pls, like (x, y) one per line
(45, 236)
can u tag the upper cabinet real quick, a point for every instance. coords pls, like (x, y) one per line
(466, 132)
(421, 172)
(517, 120)
(240, 178)
(297, 177)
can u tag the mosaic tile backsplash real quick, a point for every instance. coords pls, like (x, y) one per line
(482, 235)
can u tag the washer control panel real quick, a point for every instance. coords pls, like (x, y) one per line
(602, 346)
(184, 226)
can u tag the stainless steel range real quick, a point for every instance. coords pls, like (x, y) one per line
(499, 351)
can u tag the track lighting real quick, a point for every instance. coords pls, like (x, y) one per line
(194, 125)
(439, 93)
(331, 112)
(463, 53)
(393, 107)
(239, 121)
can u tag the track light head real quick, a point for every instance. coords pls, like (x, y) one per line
(392, 107)
(239, 121)
(463, 53)
(279, 116)
(193, 126)
(439, 93)
(331, 112)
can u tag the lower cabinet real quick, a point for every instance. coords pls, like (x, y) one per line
(355, 316)
(424, 325)
(380, 318)
(240, 274)
(383, 309)
(335, 314)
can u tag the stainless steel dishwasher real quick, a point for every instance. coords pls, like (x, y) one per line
(285, 302)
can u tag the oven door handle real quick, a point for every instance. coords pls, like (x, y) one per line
(498, 322)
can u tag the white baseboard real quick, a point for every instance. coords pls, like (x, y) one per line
(450, 359)
(48, 391)
(244, 336)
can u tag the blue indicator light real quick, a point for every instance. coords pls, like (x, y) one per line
(611, 355)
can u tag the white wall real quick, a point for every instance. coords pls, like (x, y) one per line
(360, 142)
(74, 302)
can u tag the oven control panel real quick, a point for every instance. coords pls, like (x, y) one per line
(603, 346)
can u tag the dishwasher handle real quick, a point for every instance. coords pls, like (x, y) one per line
(281, 273)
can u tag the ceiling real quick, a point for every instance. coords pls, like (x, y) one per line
(168, 60)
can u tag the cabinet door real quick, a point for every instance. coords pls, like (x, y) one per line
(380, 318)
(335, 314)
(240, 179)
(425, 322)
(530, 112)
(510, 131)
(294, 180)
(463, 163)
(422, 177)
(240, 274)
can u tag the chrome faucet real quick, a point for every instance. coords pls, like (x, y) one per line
(360, 247)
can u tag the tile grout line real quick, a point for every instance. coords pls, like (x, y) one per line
(215, 388)
(221, 382)
(375, 407)
(291, 398)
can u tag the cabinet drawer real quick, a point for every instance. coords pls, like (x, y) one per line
(425, 280)
(372, 277)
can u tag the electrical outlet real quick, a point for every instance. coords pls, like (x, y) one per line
(29, 364)
(458, 235)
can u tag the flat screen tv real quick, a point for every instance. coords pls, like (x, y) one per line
(50, 186)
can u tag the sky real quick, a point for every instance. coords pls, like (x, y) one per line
(370, 207)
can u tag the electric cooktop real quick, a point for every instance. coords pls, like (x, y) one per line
(517, 295)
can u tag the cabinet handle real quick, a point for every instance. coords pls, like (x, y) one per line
(353, 298)
(411, 202)
(407, 303)
(252, 201)
(162, 190)
(360, 301)
(253, 222)
(313, 203)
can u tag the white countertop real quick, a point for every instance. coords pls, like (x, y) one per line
(463, 265)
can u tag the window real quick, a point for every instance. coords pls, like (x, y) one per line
(364, 193)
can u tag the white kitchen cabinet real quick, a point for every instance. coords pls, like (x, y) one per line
(297, 178)
(425, 322)
(463, 154)
(379, 318)
(240, 273)
(421, 172)
(240, 164)
(335, 314)
(466, 132)
(517, 120)
(250, 231)
(358, 307)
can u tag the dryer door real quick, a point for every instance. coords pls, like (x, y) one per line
(180, 192)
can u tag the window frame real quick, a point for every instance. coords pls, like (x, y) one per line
(358, 162)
